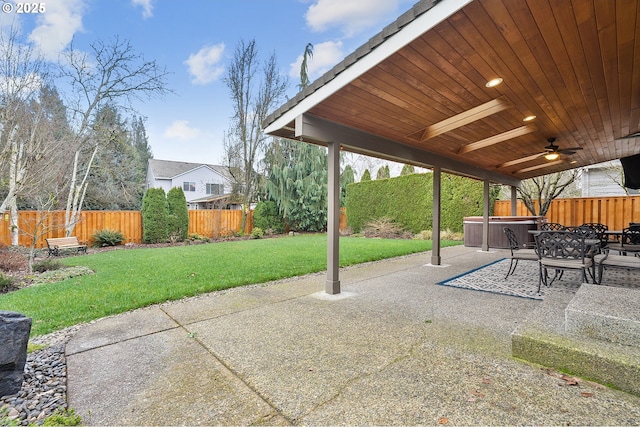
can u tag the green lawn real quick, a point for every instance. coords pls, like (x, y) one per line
(133, 278)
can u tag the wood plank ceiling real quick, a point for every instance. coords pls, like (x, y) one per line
(573, 64)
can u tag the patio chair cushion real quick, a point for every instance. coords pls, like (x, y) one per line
(618, 260)
(566, 263)
(529, 254)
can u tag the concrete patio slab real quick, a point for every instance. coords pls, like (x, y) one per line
(400, 350)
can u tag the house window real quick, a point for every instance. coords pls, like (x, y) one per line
(215, 189)
(189, 186)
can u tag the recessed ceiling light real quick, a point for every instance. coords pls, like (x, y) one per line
(528, 118)
(493, 83)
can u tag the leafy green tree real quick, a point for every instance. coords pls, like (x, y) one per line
(266, 216)
(366, 176)
(407, 170)
(154, 216)
(178, 215)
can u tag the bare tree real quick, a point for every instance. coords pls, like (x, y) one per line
(113, 73)
(24, 124)
(544, 189)
(252, 100)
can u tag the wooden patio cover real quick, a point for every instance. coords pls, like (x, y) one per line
(417, 92)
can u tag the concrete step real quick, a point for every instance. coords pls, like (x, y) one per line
(543, 339)
(605, 313)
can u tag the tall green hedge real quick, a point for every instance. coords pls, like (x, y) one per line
(154, 216)
(408, 200)
(178, 215)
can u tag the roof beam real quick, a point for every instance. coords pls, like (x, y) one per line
(474, 114)
(518, 161)
(321, 131)
(541, 166)
(505, 136)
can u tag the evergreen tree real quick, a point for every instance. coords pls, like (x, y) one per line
(140, 141)
(298, 176)
(407, 170)
(115, 180)
(383, 172)
(366, 176)
(298, 184)
(346, 177)
(154, 216)
(178, 215)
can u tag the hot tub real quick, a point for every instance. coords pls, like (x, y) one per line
(497, 239)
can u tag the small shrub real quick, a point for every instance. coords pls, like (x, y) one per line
(266, 216)
(67, 417)
(11, 260)
(47, 265)
(198, 237)
(384, 228)
(107, 237)
(6, 284)
(257, 233)
(424, 235)
(60, 275)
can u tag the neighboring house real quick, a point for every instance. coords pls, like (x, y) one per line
(600, 180)
(205, 186)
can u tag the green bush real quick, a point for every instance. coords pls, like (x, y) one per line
(257, 233)
(265, 216)
(178, 215)
(408, 201)
(107, 237)
(154, 216)
(6, 284)
(47, 265)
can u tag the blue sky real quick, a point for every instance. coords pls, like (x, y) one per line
(195, 41)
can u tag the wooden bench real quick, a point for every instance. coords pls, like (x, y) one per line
(57, 244)
(615, 261)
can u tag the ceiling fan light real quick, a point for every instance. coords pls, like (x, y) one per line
(552, 156)
(529, 118)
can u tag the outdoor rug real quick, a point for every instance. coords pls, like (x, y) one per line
(524, 282)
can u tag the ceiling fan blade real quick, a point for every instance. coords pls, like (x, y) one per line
(571, 150)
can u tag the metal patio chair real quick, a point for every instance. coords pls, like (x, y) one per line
(560, 251)
(551, 226)
(517, 252)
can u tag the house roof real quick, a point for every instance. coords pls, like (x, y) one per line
(169, 169)
(416, 92)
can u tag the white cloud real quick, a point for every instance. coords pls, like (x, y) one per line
(147, 7)
(181, 130)
(325, 56)
(349, 16)
(55, 28)
(205, 66)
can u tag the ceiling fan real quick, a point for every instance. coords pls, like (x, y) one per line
(552, 151)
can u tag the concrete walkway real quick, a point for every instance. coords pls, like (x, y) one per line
(393, 348)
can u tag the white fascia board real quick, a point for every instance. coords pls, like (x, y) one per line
(406, 35)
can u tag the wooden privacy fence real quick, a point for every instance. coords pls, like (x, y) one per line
(616, 212)
(208, 223)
